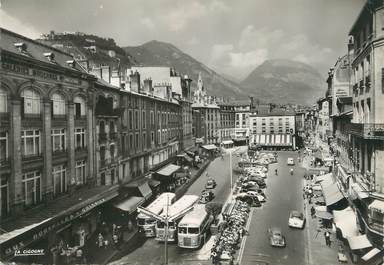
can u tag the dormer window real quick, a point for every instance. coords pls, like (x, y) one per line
(21, 46)
(50, 56)
(71, 63)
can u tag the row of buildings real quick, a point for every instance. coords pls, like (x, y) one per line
(82, 131)
(350, 119)
(70, 141)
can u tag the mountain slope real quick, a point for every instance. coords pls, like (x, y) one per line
(284, 81)
(156, 53)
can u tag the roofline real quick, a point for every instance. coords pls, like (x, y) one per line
(34, 41)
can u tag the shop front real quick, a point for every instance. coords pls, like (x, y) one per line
(60, 236)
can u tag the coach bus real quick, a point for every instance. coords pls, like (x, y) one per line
(175, 212)
(147, 223)
(193, 227)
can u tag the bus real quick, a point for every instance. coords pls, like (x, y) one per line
(193, 227)
(175, 212)
(147, 223)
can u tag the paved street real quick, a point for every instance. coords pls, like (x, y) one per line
(149, 251)
(284, 193)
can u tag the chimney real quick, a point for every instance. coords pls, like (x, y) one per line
(148, 86)
(135, 81)
(252, 103)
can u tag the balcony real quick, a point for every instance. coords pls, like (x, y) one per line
(372, 131)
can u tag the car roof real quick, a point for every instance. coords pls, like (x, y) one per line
(296, 213)
(275, 230)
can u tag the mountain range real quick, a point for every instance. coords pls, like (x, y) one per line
(275, 81)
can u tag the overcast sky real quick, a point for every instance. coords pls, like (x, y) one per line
(231, 36)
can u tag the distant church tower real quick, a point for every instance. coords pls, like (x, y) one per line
(200, 95)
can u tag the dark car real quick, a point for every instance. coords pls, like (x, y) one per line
(276, 238)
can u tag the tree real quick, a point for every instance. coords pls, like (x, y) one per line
(214, 209)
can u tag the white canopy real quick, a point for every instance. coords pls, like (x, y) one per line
(345, 220)
(371, 254)
(377, 205)
(359, 242)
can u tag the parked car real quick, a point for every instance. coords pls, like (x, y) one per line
(296, 220)
(211, 184)
(276, 238)
(206, 196)
(290, 161)
(256, 194)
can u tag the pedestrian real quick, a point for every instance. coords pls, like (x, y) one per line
(113, 228)
(327, 236)
(130, 225)
(313, 211)
(100, 240)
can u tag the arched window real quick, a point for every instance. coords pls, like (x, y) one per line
(3, 100)
(31, 101)
(58, 104)
(79, 107)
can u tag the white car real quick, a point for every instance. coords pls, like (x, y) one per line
(290, 161)
(296, 220)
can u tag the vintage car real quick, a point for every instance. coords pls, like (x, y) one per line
(296, 220)
(290, 161)
(276, 238)
(211, 184)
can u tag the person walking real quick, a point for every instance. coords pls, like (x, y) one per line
(327, 236)
(100, 240)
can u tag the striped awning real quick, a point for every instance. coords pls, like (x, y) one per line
(272, 139)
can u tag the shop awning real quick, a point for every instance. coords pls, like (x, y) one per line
(359, 242)
(168, 170)
(186, 157)
(377, 205)
(209, 147)
(324, 215)
(332, 194)
(228, 142)
(142, 185)
(130, 205)
(345, 220)
(153, 183)
(273, 139)
(359, 191)
(325, 180)
(371, 254)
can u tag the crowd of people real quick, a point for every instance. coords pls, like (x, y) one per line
(231, 233)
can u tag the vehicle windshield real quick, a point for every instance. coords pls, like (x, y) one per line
(297, 215)
(140, 221)
(182, 230)
(160, 224)
(193, 230)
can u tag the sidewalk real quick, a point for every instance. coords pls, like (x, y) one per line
(318, 252)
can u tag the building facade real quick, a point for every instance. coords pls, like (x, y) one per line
(242, 111)
(227, 120)
(275, 130)
(367, 138)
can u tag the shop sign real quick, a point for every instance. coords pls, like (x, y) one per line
(43, 232)
(44, 75)
(15, 68)
(70, 80)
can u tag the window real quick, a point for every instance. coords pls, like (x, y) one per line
(58, 140)
(152, 118)
(3, 101)
(31, 101)
(159, 136)
(137, 140)
(80, 138)
(112, 150)
(30, 142)
(59, 179)
(3, 145)
(131, 141)
(152, 137)
(79, 107)
(130, 120)
(58, 104)
(4, 195)
(80, 172)
(31, 185)
(144, 119)
(136, 119)
(144, 140)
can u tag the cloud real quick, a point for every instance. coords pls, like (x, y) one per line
(255, 45)
(13, 24)
(179, 16)
(147, 22)
(219, 6)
